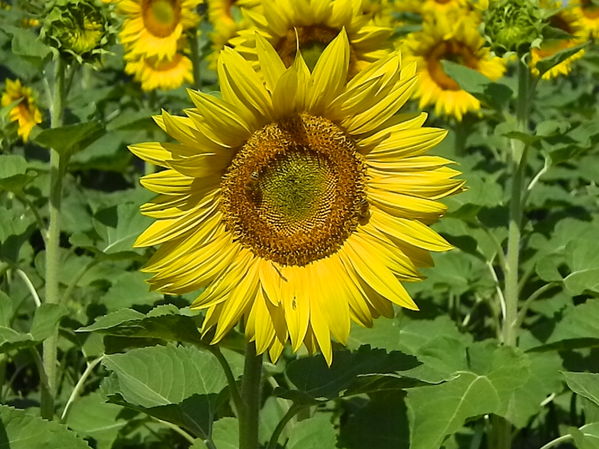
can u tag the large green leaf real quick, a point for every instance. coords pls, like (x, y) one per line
(225, 435)
(70, 139)
(174, 383)
(314, 380)
(93, 417)
(20, 430)
(436, 411)
(166, 322)
(316, 432)
(584, 384)
(578, 328)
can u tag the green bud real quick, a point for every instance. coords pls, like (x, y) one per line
(513, 25)
(78, 29)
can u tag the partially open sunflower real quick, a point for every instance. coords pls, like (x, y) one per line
(298, 201)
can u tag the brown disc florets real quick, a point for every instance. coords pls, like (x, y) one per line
(295, 191)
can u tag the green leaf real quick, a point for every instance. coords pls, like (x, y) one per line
(496, 95)
(547, 64)
(45, 322)
(129, 289)
(166, 322)
(23, 431)
(315, 380)
(436, 411)
(584, 384)
(380, 423)
(578, 328)
(14, 172)
(70, 139)
(587, 437)
(93, 417)
(27, 43)
(118, 227)
(184, 393)
(316, 432)
(524, 402)
(225, 435)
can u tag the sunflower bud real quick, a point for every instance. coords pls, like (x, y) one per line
(77, 29)
(512, 25)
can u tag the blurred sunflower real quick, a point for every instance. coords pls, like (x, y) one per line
(426, 7)
(26, 112)
(566, 20)
(587, 12)
(226, 18)
(380, 12)
(155, 73)
(152, 28)
(297, 200)
(315, 23)
(455, 40)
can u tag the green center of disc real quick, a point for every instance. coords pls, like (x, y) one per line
(294, 189)
(163, 12)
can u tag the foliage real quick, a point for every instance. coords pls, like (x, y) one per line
(134, 371)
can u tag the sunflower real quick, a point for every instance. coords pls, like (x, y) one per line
(458, 41)
(587, 12)
(154, 73)
(565, 20)
(26, 112)
(315, 23)
(298, 201)
(226, 18)
(152, 28)
(425, 7)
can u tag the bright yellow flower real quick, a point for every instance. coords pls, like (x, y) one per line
(152, 28)
(296, 200)
(454, 40)
(566, 20)
(380, 12)
(588, 16)
(26, 113)
(154, 73)
(426, 7)
(226, 18)
(315, 23)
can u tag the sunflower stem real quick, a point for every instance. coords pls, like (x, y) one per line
(274, 439)
(502, 429)
(53, 240)
(250, 394)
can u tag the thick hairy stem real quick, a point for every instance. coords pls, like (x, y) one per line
(53, 240)
(250, 395)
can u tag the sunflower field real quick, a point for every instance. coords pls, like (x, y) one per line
(299, 224)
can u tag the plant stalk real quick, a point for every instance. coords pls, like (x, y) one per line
(250, 394)
(53, 239)
(501, 437)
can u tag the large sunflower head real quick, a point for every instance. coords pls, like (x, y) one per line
(298, 201)
(152, 28)
(310, 25)
(587, 12)
(458, 41)
(155, 73)
(26, 112)
(566, 20)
